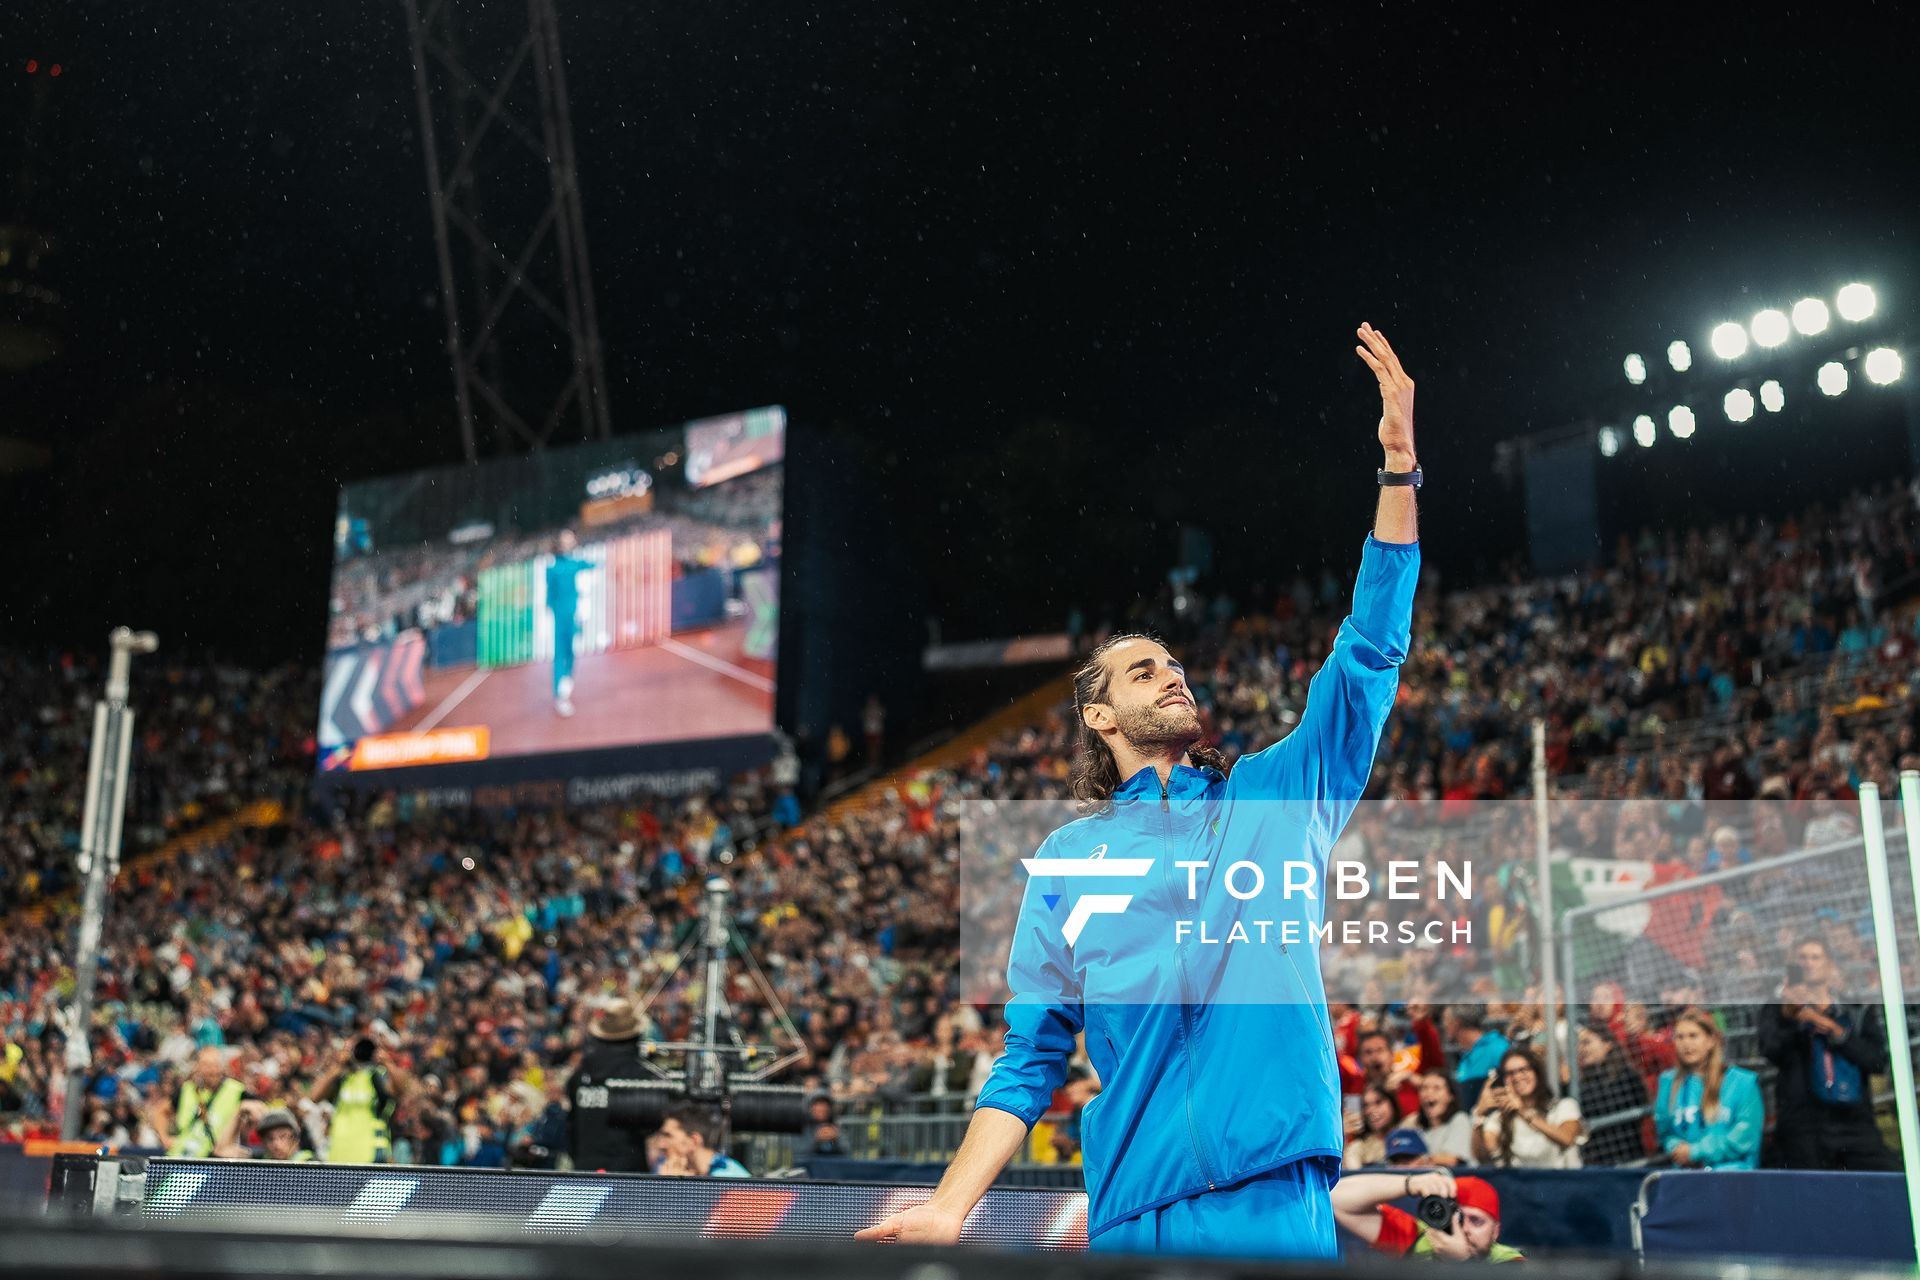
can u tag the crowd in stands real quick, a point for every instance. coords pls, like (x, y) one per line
(455, 962)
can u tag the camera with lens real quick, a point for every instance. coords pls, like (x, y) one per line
(1796, 973)
(641, 1105)
(1437, 1212)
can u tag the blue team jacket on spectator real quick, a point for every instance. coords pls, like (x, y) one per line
(1216, 1058)
(1732, 1139)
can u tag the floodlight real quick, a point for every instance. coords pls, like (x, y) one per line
(1772, 398)
(1770, 327)
(1729, 341)
(1855, 302)
(1810, 317)
(1832, 378)
(1643, 431)
(1882, 365)
(1609, 442)
(1680, 421)
(1738, 404)
(1680, 356)
(1636, 369)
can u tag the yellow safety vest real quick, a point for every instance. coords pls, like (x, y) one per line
(198, 1121)
(359, 1134)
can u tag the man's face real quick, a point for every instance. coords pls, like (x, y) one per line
(1481, 1229)
(1147, 698)
(1813, 960)
(680, 1143)
(282, 1143)
(1376, 1056)
(209, 1068)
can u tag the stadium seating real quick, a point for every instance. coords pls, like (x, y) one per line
(1737, 661)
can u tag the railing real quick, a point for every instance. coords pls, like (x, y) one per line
(1824, 883)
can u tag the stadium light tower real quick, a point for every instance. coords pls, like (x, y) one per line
(106, 804)
(522, 332)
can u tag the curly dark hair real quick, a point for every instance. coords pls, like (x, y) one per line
(1096, 774)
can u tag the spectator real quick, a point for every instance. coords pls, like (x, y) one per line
(1480, 1047)
(689, 1135)
(1826, 1053)
(1376, 1067)
(1709, 1112)
(1367, 1128)
(1406, 1149)
(1521, 1123)
(1360, 1207)
(823, 1127)
(1610, 1085)
(281, 1137)
(1445, 1129)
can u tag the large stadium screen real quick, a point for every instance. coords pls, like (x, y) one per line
(612, 594)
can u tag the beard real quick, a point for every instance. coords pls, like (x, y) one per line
(1151, 727)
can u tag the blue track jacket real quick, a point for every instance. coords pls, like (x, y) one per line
(1731, 1140)
(1216, 1058)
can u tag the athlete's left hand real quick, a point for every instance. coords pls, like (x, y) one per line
(1396, 398)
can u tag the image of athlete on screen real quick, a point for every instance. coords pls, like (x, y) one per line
(563, 599)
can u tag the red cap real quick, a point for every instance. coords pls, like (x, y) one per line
(1477, 1193)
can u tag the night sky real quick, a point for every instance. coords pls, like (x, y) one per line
(1063, 276)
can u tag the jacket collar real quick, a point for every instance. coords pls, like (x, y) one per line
(1185, 781)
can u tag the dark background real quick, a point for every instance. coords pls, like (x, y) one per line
(1043, 282)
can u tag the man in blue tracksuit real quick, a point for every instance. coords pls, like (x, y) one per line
(563, 598)
(1194, 978)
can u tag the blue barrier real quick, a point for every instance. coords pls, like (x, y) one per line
(1556, 1210)
(1776, 1214)
(23, 1181)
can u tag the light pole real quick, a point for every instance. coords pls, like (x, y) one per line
(106, 804)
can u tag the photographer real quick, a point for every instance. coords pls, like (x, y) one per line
(363, 1097)
(1458, 1220)
(1827, 1053)
(613, 1054)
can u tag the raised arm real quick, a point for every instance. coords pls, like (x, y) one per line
(1326, 760)
(1395, 518)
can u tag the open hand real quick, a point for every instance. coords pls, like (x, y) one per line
(922, 1224)
(1396, 397)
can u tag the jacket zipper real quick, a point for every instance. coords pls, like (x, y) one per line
(1186, 1021)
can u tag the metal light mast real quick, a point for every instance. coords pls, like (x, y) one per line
(106, 804)
(522, 334)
